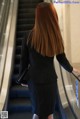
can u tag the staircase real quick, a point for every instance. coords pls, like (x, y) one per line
(19, 104)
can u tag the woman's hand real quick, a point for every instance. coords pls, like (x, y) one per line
(76, 72)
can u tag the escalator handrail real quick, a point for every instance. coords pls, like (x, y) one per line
(76, 77)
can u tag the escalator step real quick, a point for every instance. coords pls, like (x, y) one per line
(18, 56)
(18, 50)
(20, 105)
(14, 78)
(26, 10)
(24, 27)
(18, 91)
(26, 15)
(17, 66)
(30, 1)
(31, 5)
(20, 34)
(19, 42)
(19, 39)
(17, 59)
(25, 21)
(16, 71)
(16, 115)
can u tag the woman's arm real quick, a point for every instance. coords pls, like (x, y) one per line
(66, 65)
(64, 62)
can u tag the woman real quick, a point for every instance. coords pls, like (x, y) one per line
(44, 42)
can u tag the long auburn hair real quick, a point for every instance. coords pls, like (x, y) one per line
(46, 36)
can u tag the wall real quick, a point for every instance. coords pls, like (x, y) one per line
(69, 19)
(75, 33)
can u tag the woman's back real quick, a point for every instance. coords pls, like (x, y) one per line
(41, 67)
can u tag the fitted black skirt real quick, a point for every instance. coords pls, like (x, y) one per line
(43, 97)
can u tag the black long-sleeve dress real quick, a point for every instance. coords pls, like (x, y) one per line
(42, 79)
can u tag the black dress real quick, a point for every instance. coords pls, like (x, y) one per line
(42, 79)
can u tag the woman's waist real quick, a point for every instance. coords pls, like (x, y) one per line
(42, 66)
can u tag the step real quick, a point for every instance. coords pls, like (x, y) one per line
(19, 41)
(24, 27)
(17, 66)
(25, 21)
(30, 1)
(26, 10)
(21, 115)
(15, 77)
(26, 15)
(18, 91)
(20, 105)
(20, 34)
(18, 50)
(30, 5)
(16, 69)
(18, 56)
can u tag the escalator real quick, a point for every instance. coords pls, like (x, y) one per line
(19, 103)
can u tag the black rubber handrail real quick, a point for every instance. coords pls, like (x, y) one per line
(76, 77)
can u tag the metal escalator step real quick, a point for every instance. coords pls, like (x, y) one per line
(20, 34)
(24, 27)
(18, 91)
(30, 1)
(18, 56)
(17, 61)
(16, 69)
(16, 115)
(19, 42)
(19, 87)
(17, 66)
(20, 105)
(31, 5)
(15, 77)
(18, 50)
(25, 21)
(26, 10)
(26, 15)
(19, 39)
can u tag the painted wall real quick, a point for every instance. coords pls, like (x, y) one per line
(69, 19)
(75, 32)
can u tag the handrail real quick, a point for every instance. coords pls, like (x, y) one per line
(76, 77)
(9, 54)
